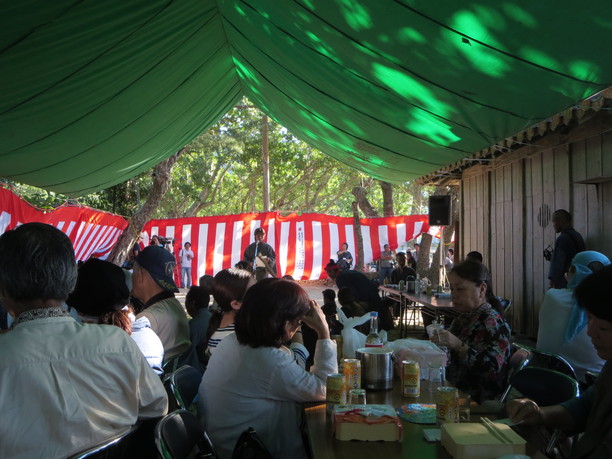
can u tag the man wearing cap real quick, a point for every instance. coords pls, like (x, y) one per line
(66, 386)
(153, 285)
(261, 256)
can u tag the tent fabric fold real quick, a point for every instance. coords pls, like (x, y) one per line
(94, 93)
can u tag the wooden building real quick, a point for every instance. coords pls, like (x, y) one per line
(508, 192)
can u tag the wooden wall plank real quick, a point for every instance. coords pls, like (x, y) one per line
(504, 206)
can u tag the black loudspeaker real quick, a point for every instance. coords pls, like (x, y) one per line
(439, 210)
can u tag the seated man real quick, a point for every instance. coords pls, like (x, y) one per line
(591, 412)
(402, 272)
(65, 386)
(153, 285)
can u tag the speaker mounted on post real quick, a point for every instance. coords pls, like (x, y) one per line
(439, 210)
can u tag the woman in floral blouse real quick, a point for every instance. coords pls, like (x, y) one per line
(479, 338)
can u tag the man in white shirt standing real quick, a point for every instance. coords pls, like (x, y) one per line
(66, 386)
(186, 258)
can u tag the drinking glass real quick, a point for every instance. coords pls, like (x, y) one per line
(464, 407)
(435, 379)
(357, 397)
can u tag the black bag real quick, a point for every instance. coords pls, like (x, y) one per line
(250, 446)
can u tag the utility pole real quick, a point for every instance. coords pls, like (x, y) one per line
(265, 158)
(265, 163)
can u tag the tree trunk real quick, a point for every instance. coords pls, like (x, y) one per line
(427, 267)
(360, 195)
(265, 161)
(359, 262)
(417, 199)
(387, 192)
(162, 174)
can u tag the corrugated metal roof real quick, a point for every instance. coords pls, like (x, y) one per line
(577, 114)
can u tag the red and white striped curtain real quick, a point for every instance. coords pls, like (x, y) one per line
(92, 232)
(304, 244)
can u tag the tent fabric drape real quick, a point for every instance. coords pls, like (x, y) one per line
(95, 92)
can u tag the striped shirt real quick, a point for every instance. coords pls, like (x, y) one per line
(217, 336)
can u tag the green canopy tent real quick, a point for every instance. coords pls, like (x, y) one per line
(94, 92)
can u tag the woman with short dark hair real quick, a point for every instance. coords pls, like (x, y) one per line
(253, 380)
(479, 338)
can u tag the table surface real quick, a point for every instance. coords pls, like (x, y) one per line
(427, 300)
(325, 446)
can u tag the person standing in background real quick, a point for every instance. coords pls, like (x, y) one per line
(449, 260)
(186, 255)
(261, 256)
(415, 254)
(385, 263)
(567, 245)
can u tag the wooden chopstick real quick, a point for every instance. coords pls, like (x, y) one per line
(495, 430)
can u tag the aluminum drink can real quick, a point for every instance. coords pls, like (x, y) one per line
(352, 373)
(447, 405)
(411, 378)
(336, 393)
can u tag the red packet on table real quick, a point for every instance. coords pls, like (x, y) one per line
(367, 423)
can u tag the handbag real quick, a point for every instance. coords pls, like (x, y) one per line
(250, 446)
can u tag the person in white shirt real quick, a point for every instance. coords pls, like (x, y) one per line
(101, 296)
(186, 255)
(563, 325)
(253, 380)
(66, 386)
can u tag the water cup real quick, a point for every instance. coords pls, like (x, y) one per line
(464, 407)
(357, 397)
(435, 379)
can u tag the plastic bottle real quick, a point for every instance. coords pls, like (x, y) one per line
(373, 339)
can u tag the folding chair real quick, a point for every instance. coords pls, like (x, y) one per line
(113, 448)
(184, 384)
(518, 360)
(545, 387)
(543, 359)
(179, 435)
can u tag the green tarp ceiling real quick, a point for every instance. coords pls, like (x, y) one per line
(94, 92)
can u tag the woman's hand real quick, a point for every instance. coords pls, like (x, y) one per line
(443, 337)
(524, 411)
(315, 319)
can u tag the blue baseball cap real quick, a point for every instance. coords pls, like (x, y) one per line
(160, 264)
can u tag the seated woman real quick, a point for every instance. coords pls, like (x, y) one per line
(563, 323)
(479, 338)
(252, 379)
(345, 259)
(228, 289)
(101, 296)
(590, 413)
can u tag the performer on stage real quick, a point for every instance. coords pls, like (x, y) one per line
(261, 256)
